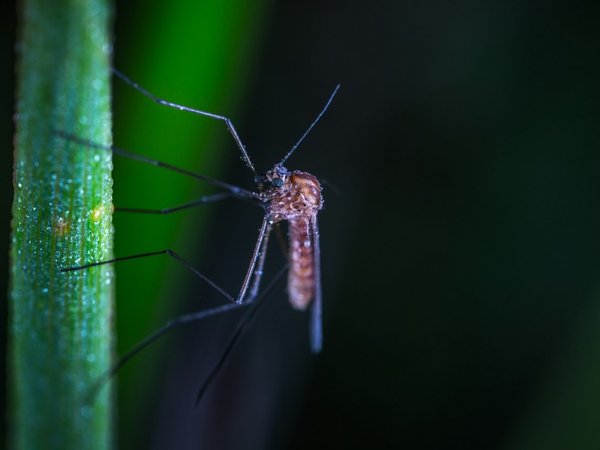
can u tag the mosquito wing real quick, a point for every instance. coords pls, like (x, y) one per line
(316, 323)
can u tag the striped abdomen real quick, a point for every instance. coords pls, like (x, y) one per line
(301, 275)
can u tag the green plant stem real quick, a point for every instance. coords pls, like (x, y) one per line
(61, 322)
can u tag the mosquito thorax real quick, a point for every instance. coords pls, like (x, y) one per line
(290, 194)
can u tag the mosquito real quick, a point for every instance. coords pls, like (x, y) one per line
(286, 195)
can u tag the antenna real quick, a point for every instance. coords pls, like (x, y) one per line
(297, 144)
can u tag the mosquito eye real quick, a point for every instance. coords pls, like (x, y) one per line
(260, 179)
(277, 182)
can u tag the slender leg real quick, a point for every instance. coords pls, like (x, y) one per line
(316, 322)
(182, 320)
(242, 326)
(235, 190)
(168, 252)
(146, 342)
(256, 255)
(258, 273)
(160, 101)
(201, 201)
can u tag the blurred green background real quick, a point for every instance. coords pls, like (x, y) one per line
(460, 235)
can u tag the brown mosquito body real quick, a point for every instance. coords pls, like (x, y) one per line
(290, 196)
(296, 198)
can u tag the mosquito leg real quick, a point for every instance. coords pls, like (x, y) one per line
(242, 326)
(258, 272)
(316, 321)
(265, 229)
(168, 252)
(261, 262)
(151, 339)
(201, 201)
(235, 190)
(182, 320)
(160, 101)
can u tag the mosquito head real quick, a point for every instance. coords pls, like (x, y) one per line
(273, 179)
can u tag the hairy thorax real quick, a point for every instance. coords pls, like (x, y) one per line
(291, 194)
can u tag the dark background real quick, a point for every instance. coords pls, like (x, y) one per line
(460, 235)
